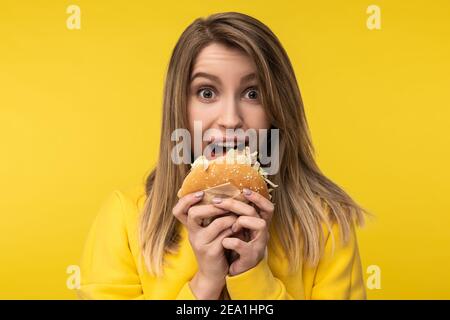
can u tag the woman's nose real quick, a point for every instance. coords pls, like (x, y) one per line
(230, 117)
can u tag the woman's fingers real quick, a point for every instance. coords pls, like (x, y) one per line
(181, 208)
(237, 245)
(180, 211)
(211, 232)
(252, 223)
(223, 234)
(236, 206)
(196, 214)
(251, 252)
(266, 207)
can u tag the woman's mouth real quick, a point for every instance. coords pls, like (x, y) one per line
(221, 148)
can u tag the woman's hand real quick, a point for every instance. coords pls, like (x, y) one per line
(258, 222)
(206, 243)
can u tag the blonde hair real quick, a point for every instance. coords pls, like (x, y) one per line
(304, 195)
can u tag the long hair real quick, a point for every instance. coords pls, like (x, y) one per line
(305, 199)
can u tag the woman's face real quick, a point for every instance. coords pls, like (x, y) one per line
(224, 94)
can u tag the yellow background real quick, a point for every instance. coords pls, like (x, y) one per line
(80, 117)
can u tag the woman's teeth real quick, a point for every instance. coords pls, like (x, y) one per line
(223, 147)
(226, 144)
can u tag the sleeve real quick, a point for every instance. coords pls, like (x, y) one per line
(108, 270)
(338, 275)
(339, 272)
(257, 283)
(186, 293)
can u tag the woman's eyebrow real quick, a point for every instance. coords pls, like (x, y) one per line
(244, 79)
(247, 78)
(205, 75)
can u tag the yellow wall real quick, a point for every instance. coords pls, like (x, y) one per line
(80, 111)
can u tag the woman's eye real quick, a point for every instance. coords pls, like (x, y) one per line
(206, 93)
(252, 94)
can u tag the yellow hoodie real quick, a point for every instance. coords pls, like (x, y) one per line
(111, 267)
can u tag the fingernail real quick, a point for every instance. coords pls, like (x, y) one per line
(199, 194)
(247, 192)
(217, 200)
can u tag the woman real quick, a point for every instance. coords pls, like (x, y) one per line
(228, 71)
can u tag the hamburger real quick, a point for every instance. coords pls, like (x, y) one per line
(226, 176)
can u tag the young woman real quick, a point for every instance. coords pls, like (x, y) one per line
(228, 71)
